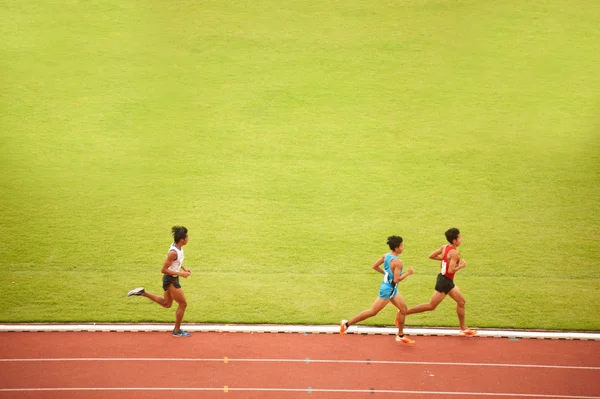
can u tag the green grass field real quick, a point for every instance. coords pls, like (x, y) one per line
(292, 138)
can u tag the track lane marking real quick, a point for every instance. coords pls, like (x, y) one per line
(313, 390)
(305, 360)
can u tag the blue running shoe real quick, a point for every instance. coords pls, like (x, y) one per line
(136, 291)
(181, 333)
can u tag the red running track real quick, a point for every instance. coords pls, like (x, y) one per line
(240, 365)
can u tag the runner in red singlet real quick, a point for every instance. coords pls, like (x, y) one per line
(450, 264)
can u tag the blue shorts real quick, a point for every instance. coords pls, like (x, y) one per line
(388, 290)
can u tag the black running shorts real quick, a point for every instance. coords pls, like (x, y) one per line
(168, 280)
(443, 284)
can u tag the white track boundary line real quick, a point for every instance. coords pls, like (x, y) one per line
(306, 360)
(299, 329)
(306, 390)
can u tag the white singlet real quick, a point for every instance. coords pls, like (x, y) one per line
(176, 265)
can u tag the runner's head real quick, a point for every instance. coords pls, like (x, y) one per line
(179, 233)
(453, 236)
(394, 242)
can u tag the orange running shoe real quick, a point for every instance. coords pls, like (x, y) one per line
(404, 340)
(343, 327)
(467, 333)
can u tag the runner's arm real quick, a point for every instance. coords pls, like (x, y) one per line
(172, 256)
(397, 268)
(377, 266)
(455, 263)
(437, 254)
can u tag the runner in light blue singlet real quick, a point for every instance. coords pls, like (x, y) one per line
(388, 289)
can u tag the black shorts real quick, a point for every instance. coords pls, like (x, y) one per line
(444, 284)
(168, 280)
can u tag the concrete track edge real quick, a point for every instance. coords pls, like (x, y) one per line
(297, 329)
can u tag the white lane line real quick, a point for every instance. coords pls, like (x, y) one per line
(258, 360)
(309, 389)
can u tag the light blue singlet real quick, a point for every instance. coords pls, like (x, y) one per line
(388, 289)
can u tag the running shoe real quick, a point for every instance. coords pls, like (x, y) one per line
(181, 333)
(467, 333)
(343, 327)
(136, 291)
(404, 340)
